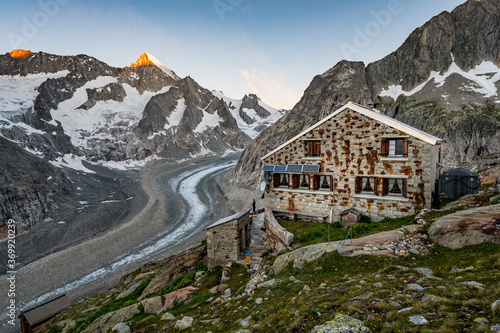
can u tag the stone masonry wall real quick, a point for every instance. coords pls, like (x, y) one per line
(351, 147)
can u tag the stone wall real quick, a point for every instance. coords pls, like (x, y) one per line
(224, 241)
(351, 147)
(277, 236)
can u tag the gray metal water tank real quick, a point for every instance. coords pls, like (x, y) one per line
(458, 182)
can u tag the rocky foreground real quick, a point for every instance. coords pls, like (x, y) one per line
(394, 281)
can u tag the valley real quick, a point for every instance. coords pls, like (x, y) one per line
(176, 202)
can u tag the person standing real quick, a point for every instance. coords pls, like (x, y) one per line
(253, 206)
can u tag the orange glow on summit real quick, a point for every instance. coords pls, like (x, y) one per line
(146, 59)
(17, 54)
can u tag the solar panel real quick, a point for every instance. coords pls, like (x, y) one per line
(310, 168)
(278, 168)
(294, 168)
(268, 168)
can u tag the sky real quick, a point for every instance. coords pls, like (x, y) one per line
(269, 48)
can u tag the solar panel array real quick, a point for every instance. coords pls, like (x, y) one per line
(292, 168)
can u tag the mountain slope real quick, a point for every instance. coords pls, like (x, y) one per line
(444, 79)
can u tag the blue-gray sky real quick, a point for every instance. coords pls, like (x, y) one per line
(271, 48)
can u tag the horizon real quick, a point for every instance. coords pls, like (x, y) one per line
(238, 47)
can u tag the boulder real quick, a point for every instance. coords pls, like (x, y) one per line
(341, 323)
(109, 320)
(495, 307)
(167, 316)
(153, 305)
(469, 227)
(185, 322)
(177, 296)
(121, 328)
(418, 320)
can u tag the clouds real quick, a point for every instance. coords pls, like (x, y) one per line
(268, 88)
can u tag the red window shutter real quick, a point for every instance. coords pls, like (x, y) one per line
(276, 179)
(405, 147)
(357, 185)
(331, 183)
(315, 182)
(385, 148)
(385, 186)
(404, 190)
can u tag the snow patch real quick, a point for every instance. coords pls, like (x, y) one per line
(18, 93)
(175, 118)
(71, 161)
(483, 78)
(208, 121)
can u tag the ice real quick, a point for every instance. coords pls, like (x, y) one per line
(185, 185)
(71, 161)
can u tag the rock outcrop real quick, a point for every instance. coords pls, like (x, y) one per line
(470, 227)
(278, 237)
(401, 85)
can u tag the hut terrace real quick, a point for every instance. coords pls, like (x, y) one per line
(354, 158)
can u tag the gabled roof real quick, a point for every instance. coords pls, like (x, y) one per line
(229, 219)
(46, 310)
(374, 114)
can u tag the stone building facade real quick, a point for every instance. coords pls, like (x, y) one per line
(353, 158)
(228, 238)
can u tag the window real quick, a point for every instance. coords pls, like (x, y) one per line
(394, 186)
(313, 148)
(325, 183)
(368, 185)
(280, 180)
(395, 147)
(304, 181)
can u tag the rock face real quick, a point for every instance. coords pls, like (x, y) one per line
(431, 82)
(470, 227)
(62, 107)
(29, 186)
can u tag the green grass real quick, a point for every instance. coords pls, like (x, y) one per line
(307, 233)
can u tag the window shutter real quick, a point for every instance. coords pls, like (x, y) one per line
(295, 181)
(315, 182)
(405, 147)
(310, 148)
(404, 190)
(385, 186)
(317, 148)
(276, 178)
(375, 185)
(357, 185)
(385, 148)
(331, 183)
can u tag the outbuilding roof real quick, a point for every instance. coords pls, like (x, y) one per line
(374, 114)
(46, 310)
(229, 219)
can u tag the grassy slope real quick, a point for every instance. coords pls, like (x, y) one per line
(331, 282)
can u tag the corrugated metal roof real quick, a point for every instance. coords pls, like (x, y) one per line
(374, 114)
(229, 218)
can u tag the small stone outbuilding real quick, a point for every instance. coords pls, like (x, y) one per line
(33, 319)
(228, 238)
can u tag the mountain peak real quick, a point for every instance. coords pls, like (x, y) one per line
(17, 54)
(147, 59)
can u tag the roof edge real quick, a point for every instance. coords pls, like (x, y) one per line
(374, 114)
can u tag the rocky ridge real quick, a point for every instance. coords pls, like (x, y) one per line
(434, 81)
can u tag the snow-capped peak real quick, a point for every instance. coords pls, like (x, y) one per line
(147, 59)
(19, 53)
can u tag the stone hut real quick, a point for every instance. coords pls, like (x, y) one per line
(355, 157)
(33, 319)
(228, 238)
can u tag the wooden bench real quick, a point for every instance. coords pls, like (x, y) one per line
(293, 214)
